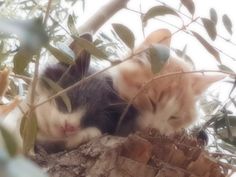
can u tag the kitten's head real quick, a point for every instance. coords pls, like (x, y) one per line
(53, 117)
(131, 75)
(171, 101)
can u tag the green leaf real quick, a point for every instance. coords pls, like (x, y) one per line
(57, 88)
(60, 55)
(22, 167)
(21, 60)
(186, 58)
(106, 37)
(125, 34)
(227, 23)
(207, 46)
(225, 68)
(225, 128)
(1, 46)
(210, 28)
(189, 4)
(158, 55)
(158, 11)
(97, 42)
(30, 32)
(71, 26)
(90, 47)
(83, 5)
(9, 140)
(213, 16)
(28, 130)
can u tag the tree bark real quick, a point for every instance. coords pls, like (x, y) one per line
(133, 156)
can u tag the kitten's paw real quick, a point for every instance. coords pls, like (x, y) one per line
(82, 136)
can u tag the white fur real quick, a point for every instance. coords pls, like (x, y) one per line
(161, 118)
(82, 136)
(51, 120)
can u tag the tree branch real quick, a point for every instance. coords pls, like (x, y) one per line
(101, 16)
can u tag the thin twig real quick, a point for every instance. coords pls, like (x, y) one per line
(36, 68)
(223, 154)
(185, 31)
(27, 79)
(34, 82)
(200, 24)
(51, 17)
(47, 12)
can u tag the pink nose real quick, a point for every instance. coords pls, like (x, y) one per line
(68, 128)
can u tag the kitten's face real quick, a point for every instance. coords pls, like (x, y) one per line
(52, 123)
(172, 100)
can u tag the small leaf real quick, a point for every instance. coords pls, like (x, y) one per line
(210, 28)
(21, 60)
(22, 167)
(1, 46)
(9, 140)
(225, 128)
(225, 68)
(125, 34)
(56, 88)
(28, 131)
(184, 51)
(158, 11)
(189, 4)
(207, 46)
(60, 55)
(71, 26)
(97, 42)
(106, 37)
(213, 16)
(90, 47)
(158, 55)
(83, 4)
(4, 81)
(30, 32)
(186, 58)
(227, 23)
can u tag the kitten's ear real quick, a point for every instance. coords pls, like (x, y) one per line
(202, 82)
(82, 56)
(161, 36)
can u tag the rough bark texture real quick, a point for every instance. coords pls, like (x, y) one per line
(133, 156)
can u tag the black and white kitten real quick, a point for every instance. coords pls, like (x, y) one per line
(96, 105)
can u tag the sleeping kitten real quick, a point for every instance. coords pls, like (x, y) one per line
(96, 106)
(169, 104)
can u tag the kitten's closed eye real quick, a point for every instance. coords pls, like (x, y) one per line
(173, 118)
